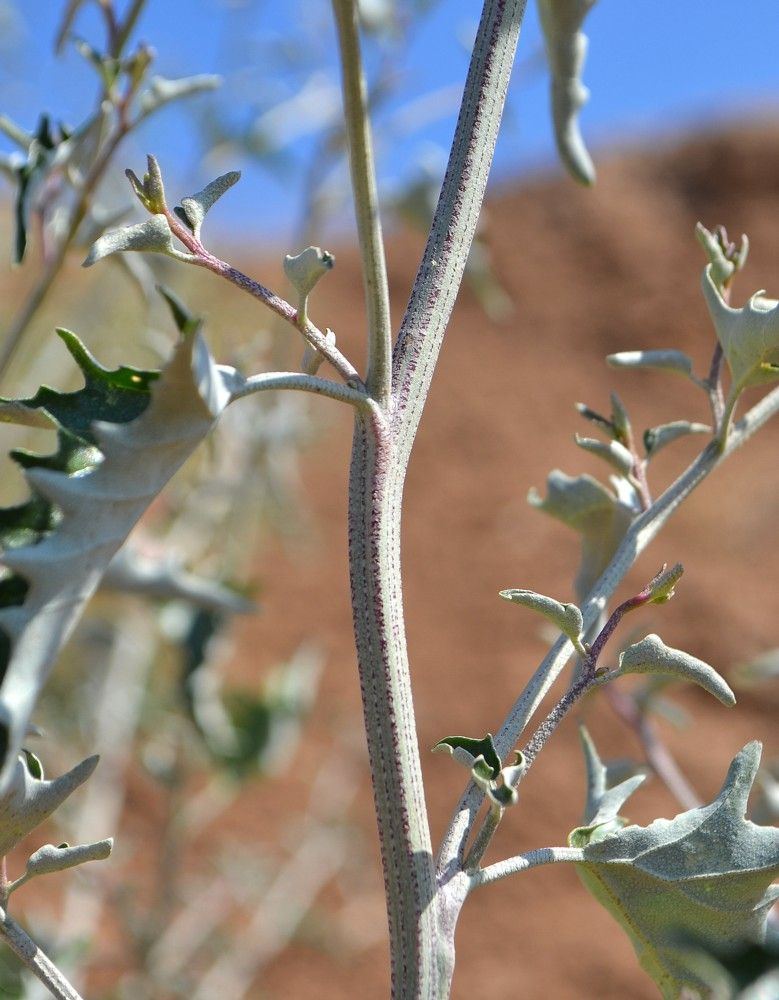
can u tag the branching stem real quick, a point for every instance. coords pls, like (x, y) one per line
(314, 336)
(641, 532)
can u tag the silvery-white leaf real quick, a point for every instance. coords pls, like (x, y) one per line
(603, 802)
(705, 875)
(666, 360)
(197, 205)
(27, 800)
(658, 437)
(566, 617)
(589, 508)
(749, 336)
(162, 91)
(616, 454)
(652, 656)
(566, 50)
(99, 507)
(51, 858)
(153, 236)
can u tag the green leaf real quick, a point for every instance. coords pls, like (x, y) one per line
(671, 361)
(117, 395)
(593, 511)
(566, 617)
(84, 502)
(467, 751)
(151, 190)
(658, 437)
(153, 235)
(186, 323)
(704, 875)
(43, 149)
(193, 210)
(749, 336)
(652, 656)
(566, 50)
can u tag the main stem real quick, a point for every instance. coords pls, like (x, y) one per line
(375, 490)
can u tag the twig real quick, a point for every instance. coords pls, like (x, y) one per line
(366, 204)
(520, 863)
(303, 382)
(36, 960)
(204, 258)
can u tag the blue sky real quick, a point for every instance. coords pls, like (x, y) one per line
(654, 67)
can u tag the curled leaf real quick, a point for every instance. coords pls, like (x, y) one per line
(306, 268)
(652, 656)
(566, 617)
(193, 210)
(661, 587)
(151, 190)
(467, 751)
(656, 438)
(481, 758)
(566, 50)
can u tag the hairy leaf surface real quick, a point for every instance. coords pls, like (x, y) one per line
(121, 438)
(704, 876)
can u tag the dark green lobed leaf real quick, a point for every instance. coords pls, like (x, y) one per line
(118, 397)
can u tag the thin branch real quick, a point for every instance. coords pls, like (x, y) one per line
(521, 863)
(127, 27)
(641, 532)
(483, 838)
(366, 202)
(36, 960)
(39, 293)
(204, 258)
(303, 382)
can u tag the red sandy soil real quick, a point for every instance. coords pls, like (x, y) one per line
(590, 272)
